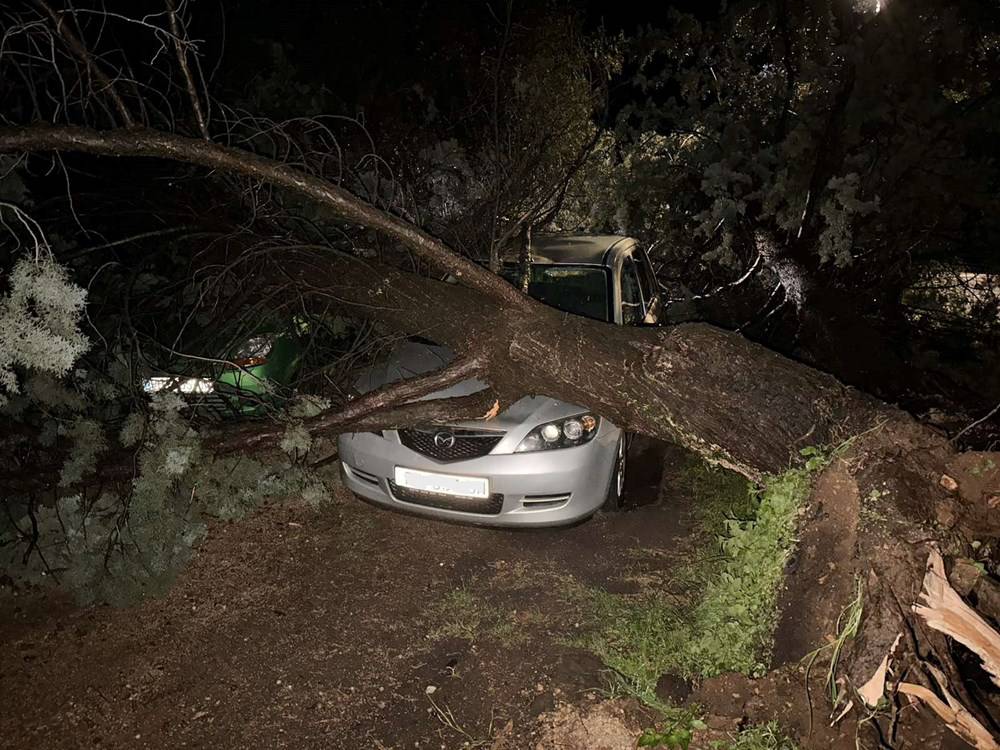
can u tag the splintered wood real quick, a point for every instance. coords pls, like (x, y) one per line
(944, 610)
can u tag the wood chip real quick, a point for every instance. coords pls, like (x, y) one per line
(873, 690)
(494, 410)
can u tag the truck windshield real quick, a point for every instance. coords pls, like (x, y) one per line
(580, 290)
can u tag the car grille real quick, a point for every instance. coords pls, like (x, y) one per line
(212, 406)
(467, 443)
(490, 506)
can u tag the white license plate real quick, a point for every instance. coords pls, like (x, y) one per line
(444, 484)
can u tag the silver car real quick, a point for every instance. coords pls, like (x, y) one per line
(542, 462)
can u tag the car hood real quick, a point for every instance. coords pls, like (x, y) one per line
(410, 359)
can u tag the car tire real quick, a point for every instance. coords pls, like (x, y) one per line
(615, 500)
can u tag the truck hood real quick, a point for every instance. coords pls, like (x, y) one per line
(410, 359)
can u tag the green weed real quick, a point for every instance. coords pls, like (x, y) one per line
(677, 734)
(461, 614)
(847, 627)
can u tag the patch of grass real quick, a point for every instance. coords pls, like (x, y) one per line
(638, 639)
(675, 733)
(463, 614)
(728, 625)
(762, 737)
(718, 495)
(732, 626)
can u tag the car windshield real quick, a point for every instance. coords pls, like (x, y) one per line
(581, 290)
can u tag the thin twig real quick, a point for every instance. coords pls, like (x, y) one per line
(180, 45)
(78, 48)
(993, 411)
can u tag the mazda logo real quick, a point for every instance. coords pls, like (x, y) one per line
(444, 439)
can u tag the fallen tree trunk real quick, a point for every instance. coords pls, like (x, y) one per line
(734, 402)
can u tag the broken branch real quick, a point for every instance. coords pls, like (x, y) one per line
(389, 406)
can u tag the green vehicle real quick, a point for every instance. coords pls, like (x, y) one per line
(244, 384)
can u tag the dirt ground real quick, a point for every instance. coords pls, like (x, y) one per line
(350, 627)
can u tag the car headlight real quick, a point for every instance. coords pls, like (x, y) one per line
(562, 433)
(254, 351)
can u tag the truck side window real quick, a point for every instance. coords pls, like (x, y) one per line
(633, 309)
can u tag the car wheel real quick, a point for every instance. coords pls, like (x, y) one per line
(615, 501)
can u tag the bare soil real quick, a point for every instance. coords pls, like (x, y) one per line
(298, 628)
(354, 627)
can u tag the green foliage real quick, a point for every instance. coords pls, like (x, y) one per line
(506, 162)
(761, 737)
(747, 144)
(303, 406)
(717, 495)
(839, 212)
(675, 734)
(39, 321)
(87, 442)
(734, 622)
(119, 548)
(728, 624)
(296, 441)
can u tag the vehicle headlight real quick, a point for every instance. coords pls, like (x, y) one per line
(254, 351)
(562, 433)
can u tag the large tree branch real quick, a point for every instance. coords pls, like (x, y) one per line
(158, 144)
(390, 406)
(732, 401)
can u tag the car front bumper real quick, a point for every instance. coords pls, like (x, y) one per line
(545, 488)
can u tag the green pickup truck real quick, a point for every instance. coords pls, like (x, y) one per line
(244, 383)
